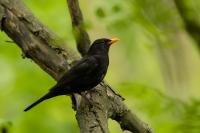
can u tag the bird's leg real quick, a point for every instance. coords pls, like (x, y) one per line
(75, 100)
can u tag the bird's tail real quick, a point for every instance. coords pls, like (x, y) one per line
(45, 97)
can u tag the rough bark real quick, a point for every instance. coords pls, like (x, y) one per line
(41, 45)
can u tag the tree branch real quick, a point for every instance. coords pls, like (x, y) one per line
(36, 41)
(41, 45)
(81, 35)
(191, 18)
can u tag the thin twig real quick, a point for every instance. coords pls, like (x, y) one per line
(81, 35)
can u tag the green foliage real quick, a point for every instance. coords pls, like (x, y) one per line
(190, 122)
(164, 113)
(151, 35)
(116, 8)
(5, 126)
(100, 13)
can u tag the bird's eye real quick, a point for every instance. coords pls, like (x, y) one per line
(107, 40)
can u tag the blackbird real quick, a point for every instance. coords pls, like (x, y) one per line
(85, 74)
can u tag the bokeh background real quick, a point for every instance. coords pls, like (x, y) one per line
(155, 66)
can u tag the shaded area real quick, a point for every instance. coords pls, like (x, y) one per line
(190, 15)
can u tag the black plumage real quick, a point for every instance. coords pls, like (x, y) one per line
(85, 74)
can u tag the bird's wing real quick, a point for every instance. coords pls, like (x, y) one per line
(83, 67)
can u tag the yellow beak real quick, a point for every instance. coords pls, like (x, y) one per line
(113, 40)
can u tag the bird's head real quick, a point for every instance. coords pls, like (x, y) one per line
(101, 45)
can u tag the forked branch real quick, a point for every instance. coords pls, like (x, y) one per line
(41, 45)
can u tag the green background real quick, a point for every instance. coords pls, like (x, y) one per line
(155, 67)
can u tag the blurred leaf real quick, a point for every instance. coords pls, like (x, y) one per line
(190, 122)
(116, 8)
(5, 126)
(100, 13)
